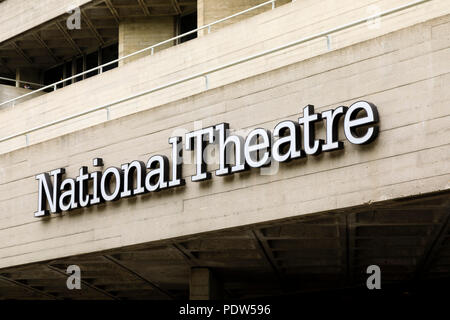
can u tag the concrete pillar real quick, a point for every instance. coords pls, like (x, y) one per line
(212, 10)
(203, 285)
(136, 34)
(74, 69)
(17, 78)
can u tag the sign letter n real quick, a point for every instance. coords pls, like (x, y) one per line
(49, 192)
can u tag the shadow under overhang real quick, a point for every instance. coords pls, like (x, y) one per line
(408, 238)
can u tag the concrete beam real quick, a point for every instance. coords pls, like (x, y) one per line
(68, 38)
(176, 6)
(113, 10)
(153, 285)
(203, 285)
(144, 8)
(27, 287)
(92, 28)
(21, 53)
(44, 45)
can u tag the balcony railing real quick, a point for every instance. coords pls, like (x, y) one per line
(21, 81)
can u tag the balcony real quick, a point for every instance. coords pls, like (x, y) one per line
(86, 37)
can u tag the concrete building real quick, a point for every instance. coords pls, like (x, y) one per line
(89, 86)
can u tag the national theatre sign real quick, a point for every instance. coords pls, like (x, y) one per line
(289, 140)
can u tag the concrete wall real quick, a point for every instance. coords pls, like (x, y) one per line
(136, 34)
(9, 92)
(270, 29)
(405, 73)
(212, 10)
(18, 16)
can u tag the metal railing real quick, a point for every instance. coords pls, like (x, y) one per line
(150, 48)
(21, 81)
(323, 34)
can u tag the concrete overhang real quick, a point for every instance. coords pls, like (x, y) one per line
(407, 238)
(50, 42)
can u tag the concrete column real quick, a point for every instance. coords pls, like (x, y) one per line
(74, 69)
(203, 285)
(84, 66)
(212, 10)
(136, 34)
(17, 78)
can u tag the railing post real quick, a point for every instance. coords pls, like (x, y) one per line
(206, 82)
(273, 5)
(209, 29)
(27, 140)
(328, 42)
(152, 51)
(108, 116)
